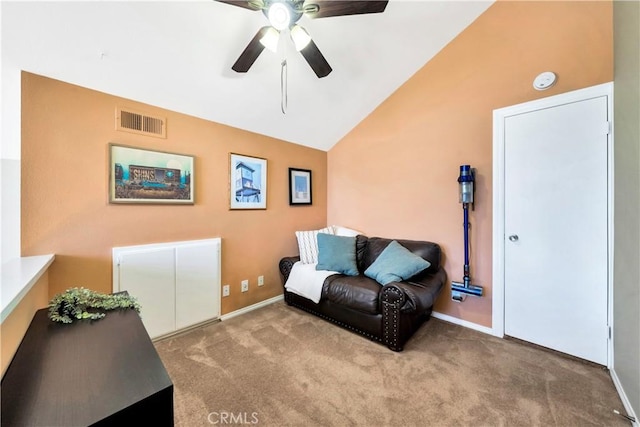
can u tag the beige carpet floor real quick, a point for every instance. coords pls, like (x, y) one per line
(279, 366)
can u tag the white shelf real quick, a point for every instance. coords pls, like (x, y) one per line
(18, 277)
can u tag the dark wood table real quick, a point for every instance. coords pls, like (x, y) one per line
(102, 372)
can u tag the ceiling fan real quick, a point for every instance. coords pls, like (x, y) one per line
(284, 14)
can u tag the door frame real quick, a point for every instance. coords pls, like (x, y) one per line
(499, 117)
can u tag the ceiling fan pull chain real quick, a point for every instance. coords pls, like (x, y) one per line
(283, 86)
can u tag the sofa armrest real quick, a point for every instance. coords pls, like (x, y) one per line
(414, 296)
(400, 301)
(286, 264)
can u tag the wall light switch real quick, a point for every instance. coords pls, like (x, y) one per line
(244, 285)
(225, 291)
(260, 280)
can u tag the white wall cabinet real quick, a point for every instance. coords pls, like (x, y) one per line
(177, 283)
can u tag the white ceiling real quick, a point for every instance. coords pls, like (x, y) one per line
(178, 56)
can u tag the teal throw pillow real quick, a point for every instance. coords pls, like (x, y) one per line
(337, 253)
(395, 263)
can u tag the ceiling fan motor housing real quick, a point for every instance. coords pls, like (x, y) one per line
(294, 8)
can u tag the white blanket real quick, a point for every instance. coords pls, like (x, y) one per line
(306, 281)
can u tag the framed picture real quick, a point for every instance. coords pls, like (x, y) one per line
(299, 186)
(247, 182)
(137, 175)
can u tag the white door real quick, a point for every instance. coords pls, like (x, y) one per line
(556, 248)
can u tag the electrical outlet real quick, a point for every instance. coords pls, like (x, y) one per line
(225, 291)
(244, 285)
(260, 280)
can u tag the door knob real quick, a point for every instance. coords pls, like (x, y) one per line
(513, 237)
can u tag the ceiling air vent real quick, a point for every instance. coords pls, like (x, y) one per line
(141, 123)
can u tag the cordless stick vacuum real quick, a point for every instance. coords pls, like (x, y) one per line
(466, 180)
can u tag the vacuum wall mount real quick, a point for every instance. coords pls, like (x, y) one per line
(466, 181)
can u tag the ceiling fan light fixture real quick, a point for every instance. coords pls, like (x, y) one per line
(300, 37)
(279, 16)
(270, 39)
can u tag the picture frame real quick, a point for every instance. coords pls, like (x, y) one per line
(247, 182)
(143, 176)
(300, 187)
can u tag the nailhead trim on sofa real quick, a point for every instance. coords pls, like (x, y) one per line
(390, 316)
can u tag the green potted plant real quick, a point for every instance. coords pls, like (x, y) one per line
(80, 303)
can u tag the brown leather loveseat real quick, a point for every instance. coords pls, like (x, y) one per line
(389, 313)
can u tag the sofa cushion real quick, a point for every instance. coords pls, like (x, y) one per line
(308, 244)
(394, 264)
(337, 253)
(356, 292)
(427, 250)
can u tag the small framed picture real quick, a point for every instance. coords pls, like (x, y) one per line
(247, 182)
(299, 186)
(139, 175)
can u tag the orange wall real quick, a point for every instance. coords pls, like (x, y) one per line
(16, 324)
(395, 174)
(66, 130)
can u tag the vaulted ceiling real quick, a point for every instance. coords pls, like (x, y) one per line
(178, 56)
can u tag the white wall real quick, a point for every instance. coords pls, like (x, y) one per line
(626, 299)
(9, 153)
(10, 207)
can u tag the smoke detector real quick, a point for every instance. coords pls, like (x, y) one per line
(544, 80)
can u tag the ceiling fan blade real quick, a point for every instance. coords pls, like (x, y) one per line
(250, 53)
(326, 8)
(316, 60)
(247, 4)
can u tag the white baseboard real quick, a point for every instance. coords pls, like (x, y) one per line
(251, 307)
(623, 396)
(183, 331)
(465, 323)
